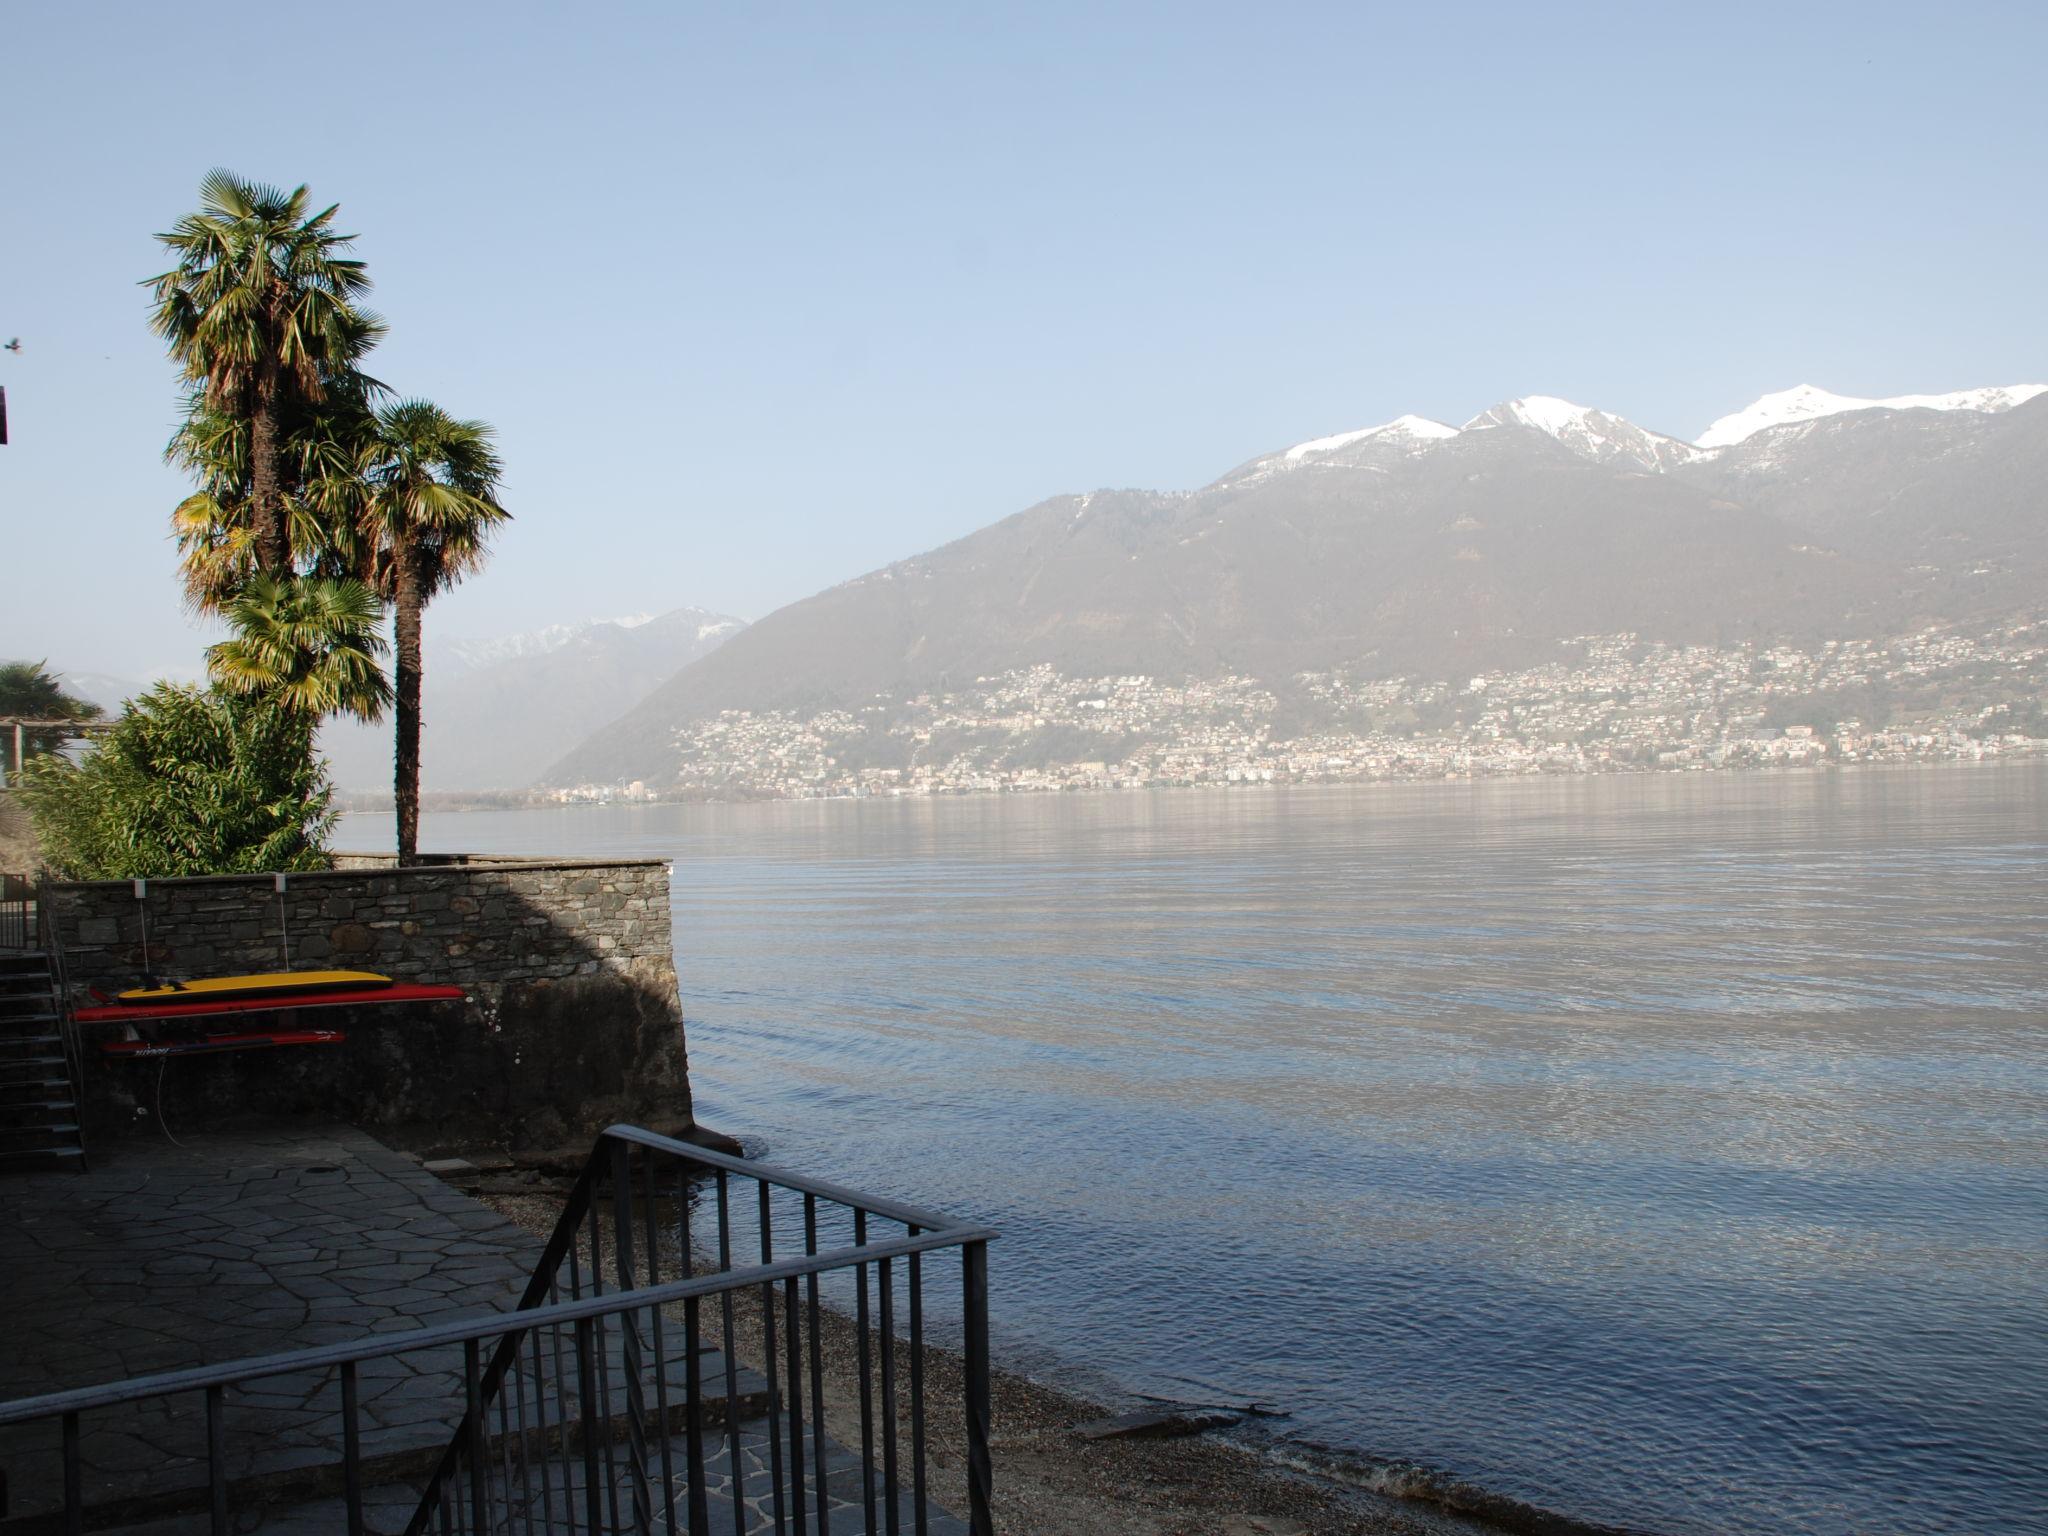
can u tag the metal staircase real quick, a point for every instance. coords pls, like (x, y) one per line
(40, 1124)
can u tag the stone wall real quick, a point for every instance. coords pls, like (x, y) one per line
(573, 1018)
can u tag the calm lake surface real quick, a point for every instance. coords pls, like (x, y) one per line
(1662, 1151)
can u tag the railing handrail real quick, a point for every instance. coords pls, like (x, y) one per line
(894, 1210)
(489, 1325)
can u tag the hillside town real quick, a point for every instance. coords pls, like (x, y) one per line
(1608, 704)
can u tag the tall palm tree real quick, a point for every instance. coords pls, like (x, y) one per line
(322, 446)
(309, 643)
(429, 504)
(260, 312)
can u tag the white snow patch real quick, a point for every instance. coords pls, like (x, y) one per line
(1547, 413)
(1808, 402)
(1420, 428)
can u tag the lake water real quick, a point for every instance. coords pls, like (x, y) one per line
(1666, 1152)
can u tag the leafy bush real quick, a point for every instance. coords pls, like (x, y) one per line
(27, 690)
(188, 782)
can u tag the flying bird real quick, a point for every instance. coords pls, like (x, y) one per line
(13, 344)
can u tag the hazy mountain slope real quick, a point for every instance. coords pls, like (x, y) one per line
(1479, 552)
(497, 725)
(1425, 549)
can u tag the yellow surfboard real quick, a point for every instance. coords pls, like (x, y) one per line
(208, 989)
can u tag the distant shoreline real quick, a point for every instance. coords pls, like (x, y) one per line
(454, 801)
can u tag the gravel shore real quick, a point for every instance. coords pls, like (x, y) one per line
(1050, 1481)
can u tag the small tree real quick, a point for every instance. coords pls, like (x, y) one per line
(29, 692)
(188, 782)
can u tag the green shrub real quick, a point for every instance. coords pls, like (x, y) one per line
(188, 782)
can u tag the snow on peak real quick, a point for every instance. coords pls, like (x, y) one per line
(1592, 434)
(1807, 402)
(1546, 413)
(1414, 428)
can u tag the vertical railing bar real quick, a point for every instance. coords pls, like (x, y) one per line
(652, 1228)
(796, 1404)
(544, 1452)
(892, 1515)
(604, 1368)
(562, 1415)
(530, 1342)
(586, 1391)
(479, 1456)
(74, 1491)
(505, 1443)
(867, 1417)
(919, 1506)
(693, 1431)
(736, 1463)
(216, 1460)
(818, 1457)
(351, 1449)
(776, 1500)
(974, 1306)
(630, 1361)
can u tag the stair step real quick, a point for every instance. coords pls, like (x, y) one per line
(21, 1155)
(17, 1063)
(28, 1040)
(11, 1136)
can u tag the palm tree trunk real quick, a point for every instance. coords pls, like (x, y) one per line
(406, 668)
(266, 508)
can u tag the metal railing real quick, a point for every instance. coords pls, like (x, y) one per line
(594, 1408)
(46, 935)
(17, 912)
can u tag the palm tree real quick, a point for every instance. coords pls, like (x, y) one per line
(259, 311)
(322, 448)
(309, 643)
(428, 506)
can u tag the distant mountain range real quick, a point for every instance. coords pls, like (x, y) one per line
(496, 712)
(1420, 548)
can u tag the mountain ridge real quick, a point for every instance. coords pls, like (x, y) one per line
(1414, 547)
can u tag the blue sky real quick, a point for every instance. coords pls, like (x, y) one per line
(761, 297)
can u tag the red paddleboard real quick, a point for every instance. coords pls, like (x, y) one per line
(333, 997)
(210, 1043)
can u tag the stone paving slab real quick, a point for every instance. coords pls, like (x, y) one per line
(387, 1509)
(233, 1245)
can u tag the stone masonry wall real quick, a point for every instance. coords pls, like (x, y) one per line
(573, 1017)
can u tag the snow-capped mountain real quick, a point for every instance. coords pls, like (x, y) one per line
(1808, 402)
(1593, 434)
(1605, 438)
(1422, 549)
(1402, 430)
(472, 653)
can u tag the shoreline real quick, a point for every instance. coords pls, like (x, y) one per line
(459, 802)
(1050, 1479)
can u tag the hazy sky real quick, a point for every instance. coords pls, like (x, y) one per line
(761, 297)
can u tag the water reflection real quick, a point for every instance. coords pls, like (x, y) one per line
(1665, 1150)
